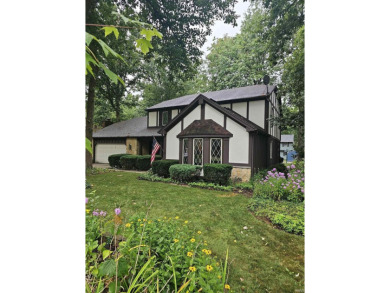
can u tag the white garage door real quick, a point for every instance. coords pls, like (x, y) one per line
(103, 150)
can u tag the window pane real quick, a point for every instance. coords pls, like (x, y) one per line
(198, 151)
(165, 118)
(185, 151)
(216, 151)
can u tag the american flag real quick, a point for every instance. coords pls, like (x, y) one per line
(156, 147)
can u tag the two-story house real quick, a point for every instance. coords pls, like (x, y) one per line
(287, 151)
(227, 126)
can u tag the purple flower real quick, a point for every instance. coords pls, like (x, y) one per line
(288, 167)
(95, 213)
(292, 166)
(117, 211)
(86, 200)
(284, 187)
(274, 169)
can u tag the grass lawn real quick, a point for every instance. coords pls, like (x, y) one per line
(263, 259)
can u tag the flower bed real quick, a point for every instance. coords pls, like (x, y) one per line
(137, 254)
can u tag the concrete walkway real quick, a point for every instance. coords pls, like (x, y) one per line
(107, 166)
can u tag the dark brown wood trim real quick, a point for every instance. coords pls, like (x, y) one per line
(190, 147)
(225, 151)
(205, 135)
(247, 110)
(182, 124)
(251, 148)
(206, 151)
(266, 114)
(165, 148)
(239, 164)
(147, 122)
(224, 121)
(181, 151)
(202, 111)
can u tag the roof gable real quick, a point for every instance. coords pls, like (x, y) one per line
(205, 128)
(200, 99)
(226, 95)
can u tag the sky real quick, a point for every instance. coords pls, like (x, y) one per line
(219, 28)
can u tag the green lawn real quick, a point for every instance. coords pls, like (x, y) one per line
(263, 259)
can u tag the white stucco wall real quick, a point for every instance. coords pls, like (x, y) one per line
(193, 115)
(153, 118)
(172, 142)
(215, 115)
(239, 143)
(257, 112)
(174, 113)
(240, 108)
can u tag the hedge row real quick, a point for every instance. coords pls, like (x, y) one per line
(185, 173)
(131, 162)
(217, 173)
(161, 167)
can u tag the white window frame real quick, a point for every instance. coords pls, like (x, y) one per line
(193, 151)
(211, 145)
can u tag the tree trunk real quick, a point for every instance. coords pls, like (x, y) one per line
(89, 118)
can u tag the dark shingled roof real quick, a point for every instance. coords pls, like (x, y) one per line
(287, 138)
(219, 96)
(136, 127)
(207, 127)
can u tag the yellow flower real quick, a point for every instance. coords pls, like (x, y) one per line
(217, 264)
(209, 268)
(189, 254)
(192, 269)
(144, 220)
(227, 287)
(159, 220)
(192, 240)
(204, 250)
(141, 225)
(150, 222)
(219, 277)
(139, 220)
(165, 218)
(208, 252)
(128, 225)
(87, 211)
(176, 217)
(175, 240)
(185, 222)
(199, 232)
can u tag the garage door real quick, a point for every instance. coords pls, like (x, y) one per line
(103, 150)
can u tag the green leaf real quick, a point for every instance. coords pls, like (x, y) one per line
(106, 253)
(88, 145)
(150, 33)
(89, 38)
(107, 268)
(114, 78)
(109, 29)
(144, 45)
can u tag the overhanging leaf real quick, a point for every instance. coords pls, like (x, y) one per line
(106, 253)
(144, 45)
(109, 29)
(88, 145)
(89, 38)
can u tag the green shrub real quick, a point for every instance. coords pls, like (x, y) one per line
(262, 173)
(217, 173)
(114, 160)
(128, 162)
(289, 216)
(184, 173)
(247, 186)
(143, 163)
(205, 185)
(161, 167)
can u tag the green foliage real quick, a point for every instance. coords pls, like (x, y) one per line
(143, 162)
(246, 186)
(128, 162)
(184, 173)
(262, 173)
(217, 173)
(137, 253)
(214, 186)
(290, 216)
(161, 168)
(154, 178)
(114, 160)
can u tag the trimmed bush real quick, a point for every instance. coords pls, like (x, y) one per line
(184, 172)
(161, 167)
(114, 160)
(217, 173)
(128, 162)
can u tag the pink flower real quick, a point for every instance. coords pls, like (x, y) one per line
(292, 166)
(86, 200)
(117, 211)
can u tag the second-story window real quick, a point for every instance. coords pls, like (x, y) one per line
(164, 118)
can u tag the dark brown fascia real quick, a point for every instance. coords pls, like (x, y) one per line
(204, 135)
